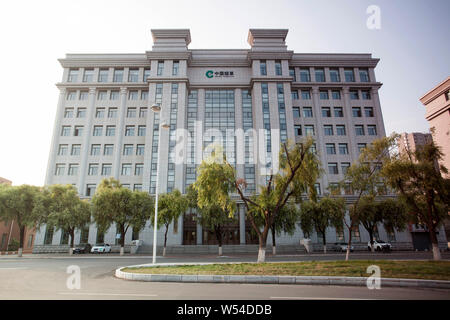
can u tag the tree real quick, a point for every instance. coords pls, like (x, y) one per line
(284, 222)
(299, 169)
(212, 190)
(364, 178)
(25, 205)
(416, 176)
(320, 214)
(113, 203)
(170, 206)
(67, 211)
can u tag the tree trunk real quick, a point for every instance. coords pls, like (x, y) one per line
(71, 233)
(262, 246)
(274, 245)
(372, 248)
(218, 232)
(21, 238)
(435, 244)
(122, 242)
(349, 244)
(324, 239)
(165, 240)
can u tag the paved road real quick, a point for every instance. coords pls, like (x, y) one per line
(45, 277)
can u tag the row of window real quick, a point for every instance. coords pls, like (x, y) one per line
(338, 112)
(333, 75)
(110, 131)
(308, 130)
(108, 149)
(105, 95)
(335, 94)
(93, 169)
(103, 75)
(101, 112)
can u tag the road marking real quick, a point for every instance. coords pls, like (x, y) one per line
(109, 294)
(316, 298)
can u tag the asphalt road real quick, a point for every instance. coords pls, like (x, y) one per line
(45, 277)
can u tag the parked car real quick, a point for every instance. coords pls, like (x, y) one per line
(380, 245)
(82, 248)
(101, 248)
(342, 247)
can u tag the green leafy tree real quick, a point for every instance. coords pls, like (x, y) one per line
(67, 211)
(416, 176)
(24, 204)
(113, 203)
(170, 206)
(284, 222)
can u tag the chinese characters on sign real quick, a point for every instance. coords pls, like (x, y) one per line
(219, 74)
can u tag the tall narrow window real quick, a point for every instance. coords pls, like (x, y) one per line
(263, 67)
(133, 75)
(73, 75)
(364, 75)
(118, 75)
(304, 75)
(320, 74)
(278, 70)
(334, 75)
(103, 75)
(175, 68)
(88, 75)
(160, 69)
(349, 75)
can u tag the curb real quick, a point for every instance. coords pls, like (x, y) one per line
(297, 280)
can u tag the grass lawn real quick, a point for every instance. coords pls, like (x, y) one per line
(436, 270)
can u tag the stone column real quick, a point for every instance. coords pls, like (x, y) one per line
(241, 223)
(320, 142)
(120, 132)
(238, 125)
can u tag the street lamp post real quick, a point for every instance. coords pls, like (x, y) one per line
(163, 125)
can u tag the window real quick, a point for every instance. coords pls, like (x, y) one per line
(292, 74)
(336, 94)
(323, 94)
(97, 131)
(143, 112)
(296, 112)
(106, 169)
(118, 75)
(338, 112)
(144, 94)
(48, 235)
(334, 75)
(359, 130)
(103, 75)
(344, 167)
(126, 169)
(368, 112)
(356, 112)
(90, 191)
(138, 169)
(306, 95)
(361, 146)
(78, 131)
(95, 150)
(349, 75)
(317, 187)
(313, 149)
(372, 130)
(141, 131)
(133, 95)
(93, 169)
(102, 95)
(65, 131)
(304, 75)
(110, 131)
(68, 113)
(160, 68)
(129, 131)
(114, 95)
(137, 187)
(60, 168)
(326, 112)
(84, 95)
(320, 75)
(108, 149)
(73, 75)
(333, 168)
(294, 95)
(331, 148)
(88, 75)
(175, 67)
(307, 112)
(73, 169)
(140, 149)
(131, 113)
(364, 75)
(263, 67)
(354, 95)
(309, 130)
(112, 113)
(62, 150)
(298, 130)
(75, 150)
(146, 74)
(100, 113)
(328, 130)
(133, 75)
(81, 113)
(365, 94)
(127, 149)
(278, 68)
(71, 95)
(343, 148)
(340, 130)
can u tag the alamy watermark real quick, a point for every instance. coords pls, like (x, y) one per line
(374, 281)
(74, 280)
(373, 22)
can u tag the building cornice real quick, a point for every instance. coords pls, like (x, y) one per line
(101, 85)
(359, 85)
(440, 89)
(104, 60)
(158, 55)
(333, 60)
(270, 55)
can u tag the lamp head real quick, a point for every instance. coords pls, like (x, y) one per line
(165, 125)
(156, 108)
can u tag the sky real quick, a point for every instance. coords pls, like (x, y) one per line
(412, 44)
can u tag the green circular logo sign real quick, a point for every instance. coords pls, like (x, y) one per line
(209, 74)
